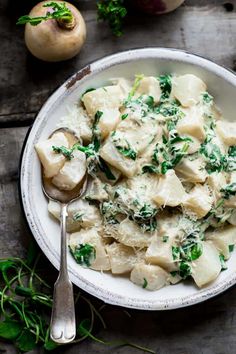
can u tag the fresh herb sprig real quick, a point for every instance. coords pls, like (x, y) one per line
(60, 12)
(113, 12)
(26, 304)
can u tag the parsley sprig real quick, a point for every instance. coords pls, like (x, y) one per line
(113, 12)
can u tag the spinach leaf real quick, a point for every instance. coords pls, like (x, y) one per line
(84, 254)
(229, 190)
(145, 283)
(165, 85)
(127, 152)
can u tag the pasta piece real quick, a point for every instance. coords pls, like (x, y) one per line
(192, 123)
(122, 258)
(79, 122)
(207, 267)
(222, 239)
(110, 154)
(80, 215)
(232, 218)
(188, 89)
(150, 277)
(130, 234)
(160, 250)
(191, 170)
(52, 162)
(169, 191)
(106, 100)
(149, 86)
(216, 181)
(227, 131)
(91, 237)
(103, 97)
(124, 84)
(96, 191)
(72, 173)
(198, 201)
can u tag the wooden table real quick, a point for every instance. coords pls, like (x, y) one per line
(205, 27)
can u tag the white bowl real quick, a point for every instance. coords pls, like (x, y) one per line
(119, 290)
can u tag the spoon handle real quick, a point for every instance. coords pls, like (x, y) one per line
(63, 328)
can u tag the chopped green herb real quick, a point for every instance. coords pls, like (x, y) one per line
(229, 190)
(97, 117)
(127, 152)
(149, 101)
(184, 270)
(68, 153)
(84, 254)
(124, 116)
(231, 248)
(60, 12)
(145, 283)
(150, 169)
(165, 238)
(222, 261)
(175, 252)
(78, 216)
(215, 159)
(135, 86)
(106, 170)
(207, 98)
(165, 85)
(88, 90)
(174, 273)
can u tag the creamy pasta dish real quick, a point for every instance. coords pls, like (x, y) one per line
(161, 198)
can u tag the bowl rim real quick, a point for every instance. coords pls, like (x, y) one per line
(67, 87)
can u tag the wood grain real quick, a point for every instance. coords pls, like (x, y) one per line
(203, 27)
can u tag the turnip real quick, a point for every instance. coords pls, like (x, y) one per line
(157, 7)
(54, 31)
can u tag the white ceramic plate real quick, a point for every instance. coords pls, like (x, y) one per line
(119, 290)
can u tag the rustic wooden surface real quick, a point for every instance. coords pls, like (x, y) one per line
(205, 27)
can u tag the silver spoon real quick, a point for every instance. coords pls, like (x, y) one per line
(63, 327)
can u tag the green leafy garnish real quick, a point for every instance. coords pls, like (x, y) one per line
(169, 152)
(150, 169)
(207, 98)
(229, 190)
(78, 216)
(165, 85)
(113, 12)
(84, 254)
(184, 270)
(88, 90)
(222, 261)
(165, 238)
(231, 248)
(97, 117)
(126, 150)
(124, 116)
(145, 283)
(68, 153)
(215, 159)
(106, 170)
(60, 12)
(175, 253)
(135, 86)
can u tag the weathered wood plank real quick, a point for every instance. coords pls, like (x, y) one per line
(25, 83)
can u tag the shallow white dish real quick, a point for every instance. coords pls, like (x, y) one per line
(118, 290)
